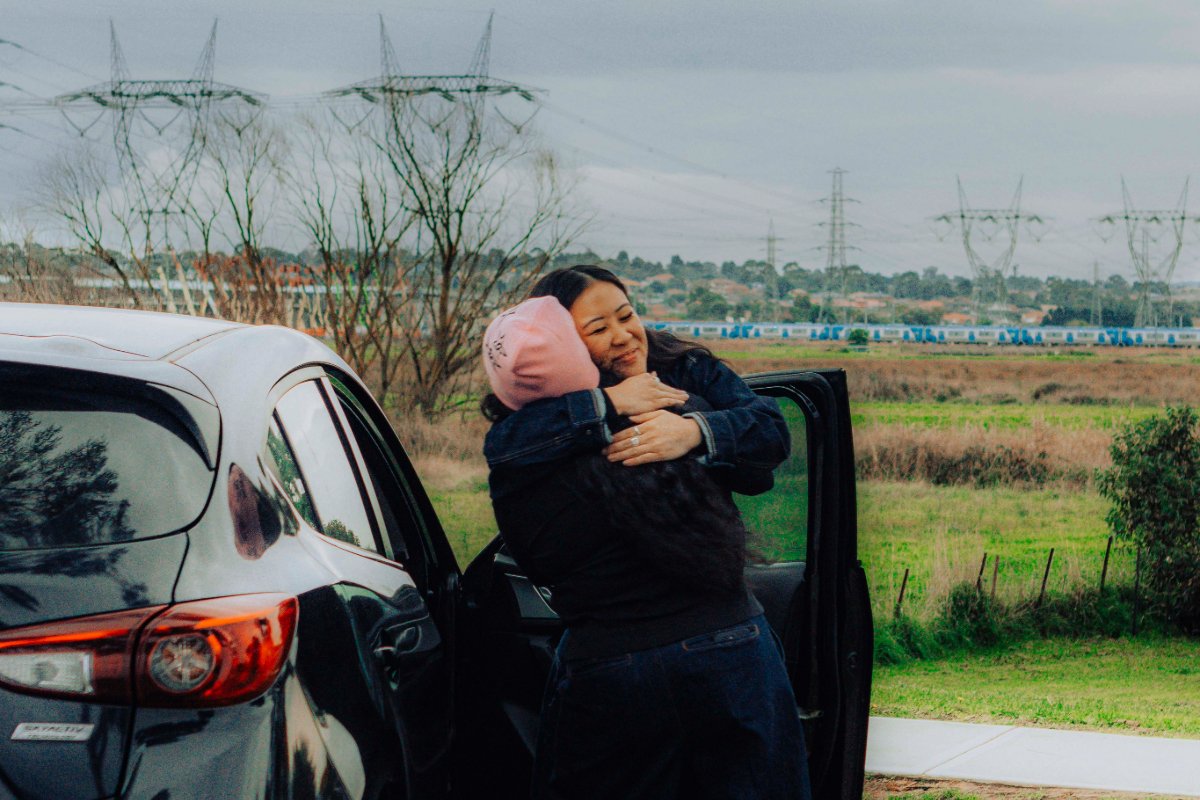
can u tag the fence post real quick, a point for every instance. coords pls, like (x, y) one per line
(979, 577)
(995, 572)
(1045, 577)
(1137, 588)
(1104, 570)
(900, 599)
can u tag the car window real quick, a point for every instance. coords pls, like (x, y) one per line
(92, 467)
(325, 469)
(382, 482)
(778, 519)
(282, 463)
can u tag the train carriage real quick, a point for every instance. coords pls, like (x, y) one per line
(1036, 335)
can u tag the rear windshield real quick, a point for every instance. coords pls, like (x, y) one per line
(81, 468)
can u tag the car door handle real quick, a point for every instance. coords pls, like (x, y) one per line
(405, 641)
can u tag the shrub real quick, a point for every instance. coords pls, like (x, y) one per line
(971, 620)
(1154, 487)
(1047, 389)
(946, 463)
(858, 338)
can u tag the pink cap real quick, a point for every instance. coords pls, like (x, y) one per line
(533, 351)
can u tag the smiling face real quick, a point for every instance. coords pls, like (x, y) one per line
(610, 328)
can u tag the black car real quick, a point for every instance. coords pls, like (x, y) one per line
(220, 577)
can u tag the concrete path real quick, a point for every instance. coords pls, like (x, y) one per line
(1033, 756)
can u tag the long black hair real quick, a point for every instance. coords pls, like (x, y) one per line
(676, 516)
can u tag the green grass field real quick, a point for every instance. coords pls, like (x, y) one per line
(1007, 417)
(1147, 685)
(940, 533)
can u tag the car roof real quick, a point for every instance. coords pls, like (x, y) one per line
(148, 334)
(222, 362)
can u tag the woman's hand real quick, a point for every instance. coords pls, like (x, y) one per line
(655, 436)
(643, 393)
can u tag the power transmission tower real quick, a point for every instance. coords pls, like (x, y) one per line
(836, 269)
(391, 87)
(772, 276)
(989, 277)
(771, 240)
(1143, 227)
(150, 116)
(1097, 301)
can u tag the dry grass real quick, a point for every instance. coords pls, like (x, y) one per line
(879, 787)
(448, 453)
(1122, 377)
(977, 456)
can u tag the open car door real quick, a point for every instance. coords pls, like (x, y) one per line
(808, 580)
(811, 583)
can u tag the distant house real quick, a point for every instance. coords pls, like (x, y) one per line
(1033, 318)
(732, 291)
(868, 300)
(956, 318)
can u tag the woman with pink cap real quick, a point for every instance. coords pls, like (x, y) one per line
(667, 682)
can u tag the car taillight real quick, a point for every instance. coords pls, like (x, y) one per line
(201, 653)
(215, 652)
(87, 658)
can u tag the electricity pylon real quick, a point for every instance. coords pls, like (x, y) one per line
(152, 116)
(391, 87)
(1142, 228)
(989, 277)
(772, 276)
(836, 269)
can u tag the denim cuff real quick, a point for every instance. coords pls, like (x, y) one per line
(706, 434)
(586, 409)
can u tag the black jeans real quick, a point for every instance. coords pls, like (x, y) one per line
(713, 716)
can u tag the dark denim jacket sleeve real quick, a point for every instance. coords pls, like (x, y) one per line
(743, 433)
(743, 429)
(549, 429)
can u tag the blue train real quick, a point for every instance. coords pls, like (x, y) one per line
(940, 334)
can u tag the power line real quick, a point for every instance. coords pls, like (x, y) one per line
(663, 154)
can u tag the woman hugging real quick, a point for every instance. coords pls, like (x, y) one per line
(613, 454)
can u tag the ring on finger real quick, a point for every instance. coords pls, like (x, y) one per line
(635, 441)
(637, 431)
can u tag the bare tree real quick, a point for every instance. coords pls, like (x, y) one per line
(234, 195)
(78, 188)
(346, 201)
(490, 211)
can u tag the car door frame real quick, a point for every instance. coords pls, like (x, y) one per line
(339, 392)
(836, 605)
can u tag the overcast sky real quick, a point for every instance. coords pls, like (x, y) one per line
(692, 124)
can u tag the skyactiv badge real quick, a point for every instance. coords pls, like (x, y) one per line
(53, 732)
